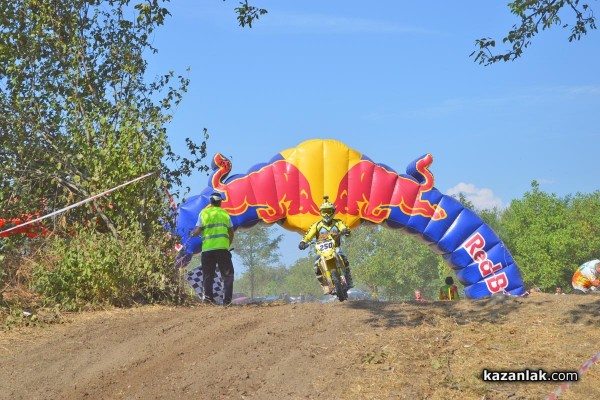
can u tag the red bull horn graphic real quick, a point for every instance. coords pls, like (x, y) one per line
(289, 188)
(275, 190)
(371, 191)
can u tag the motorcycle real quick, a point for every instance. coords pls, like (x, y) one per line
(331, 265)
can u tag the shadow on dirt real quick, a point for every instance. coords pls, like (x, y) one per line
(587, 314)
(397, 314)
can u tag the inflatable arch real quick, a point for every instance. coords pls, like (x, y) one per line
(290, 187)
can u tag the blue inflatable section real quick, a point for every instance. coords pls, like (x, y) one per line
(481, 261)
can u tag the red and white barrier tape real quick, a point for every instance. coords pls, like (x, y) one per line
(78, 203)
(563, 388)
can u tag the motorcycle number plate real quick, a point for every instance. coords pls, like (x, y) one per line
(322, 246)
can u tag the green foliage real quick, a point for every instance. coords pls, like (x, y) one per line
(462, 199)
(248, 13)
(259, 253)
(549, 237)
(392, 263)
(268, 281)
(302, 278)
(493, 217)
(585, 217)
(536, 15)
(17, 316)
(298, 279)
(91, 269)
(77, 116)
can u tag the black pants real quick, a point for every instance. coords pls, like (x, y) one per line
(210, 261)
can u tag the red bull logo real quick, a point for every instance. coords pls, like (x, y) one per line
(370, 191)
(276, 190)
(474, 246)
(497, 283)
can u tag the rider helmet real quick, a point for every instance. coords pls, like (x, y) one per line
(215, 199)
(327, 211)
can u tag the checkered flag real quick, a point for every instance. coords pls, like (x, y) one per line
(194, 278)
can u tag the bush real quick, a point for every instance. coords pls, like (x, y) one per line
(92, 269)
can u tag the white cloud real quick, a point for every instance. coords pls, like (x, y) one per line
(482, 198)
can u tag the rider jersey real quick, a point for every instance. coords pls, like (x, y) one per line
(319, 228)
(586, 276)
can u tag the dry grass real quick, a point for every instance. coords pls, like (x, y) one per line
(438, 351)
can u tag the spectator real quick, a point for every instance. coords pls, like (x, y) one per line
(559, 290)
(449, 291)
(217, 234)
(418, 297)
(534, 290)
(585, 279)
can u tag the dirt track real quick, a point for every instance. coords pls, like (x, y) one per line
(296, 351)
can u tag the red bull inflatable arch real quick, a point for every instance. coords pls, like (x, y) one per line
(289, 188)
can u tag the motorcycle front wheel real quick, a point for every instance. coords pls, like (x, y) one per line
(340, 290)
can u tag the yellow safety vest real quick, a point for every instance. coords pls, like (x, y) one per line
(215, 232)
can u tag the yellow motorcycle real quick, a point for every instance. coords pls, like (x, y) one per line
(331, 265)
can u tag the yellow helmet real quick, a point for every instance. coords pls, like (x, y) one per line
(327, 210)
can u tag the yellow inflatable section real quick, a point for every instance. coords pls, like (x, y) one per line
(324, 163)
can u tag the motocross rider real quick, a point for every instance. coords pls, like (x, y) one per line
(328, 225)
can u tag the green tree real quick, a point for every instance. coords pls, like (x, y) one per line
(274, 281)
(540, 235)
(493, 218)
(462, 199)
(268, 281)
(392, 263)
(301, 278)
(585, 217)
(536, 15)
(77, 116)
(259, 253)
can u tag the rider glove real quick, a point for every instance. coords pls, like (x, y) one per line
(302, 246)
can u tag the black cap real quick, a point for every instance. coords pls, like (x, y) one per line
(215, 197)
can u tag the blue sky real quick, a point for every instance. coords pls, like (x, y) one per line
(393, 80)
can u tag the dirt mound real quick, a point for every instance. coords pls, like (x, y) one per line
(356, 350)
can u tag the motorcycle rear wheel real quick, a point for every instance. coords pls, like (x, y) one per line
(340, 290)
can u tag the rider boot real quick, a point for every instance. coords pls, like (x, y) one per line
(321, 280)
(349, 280)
